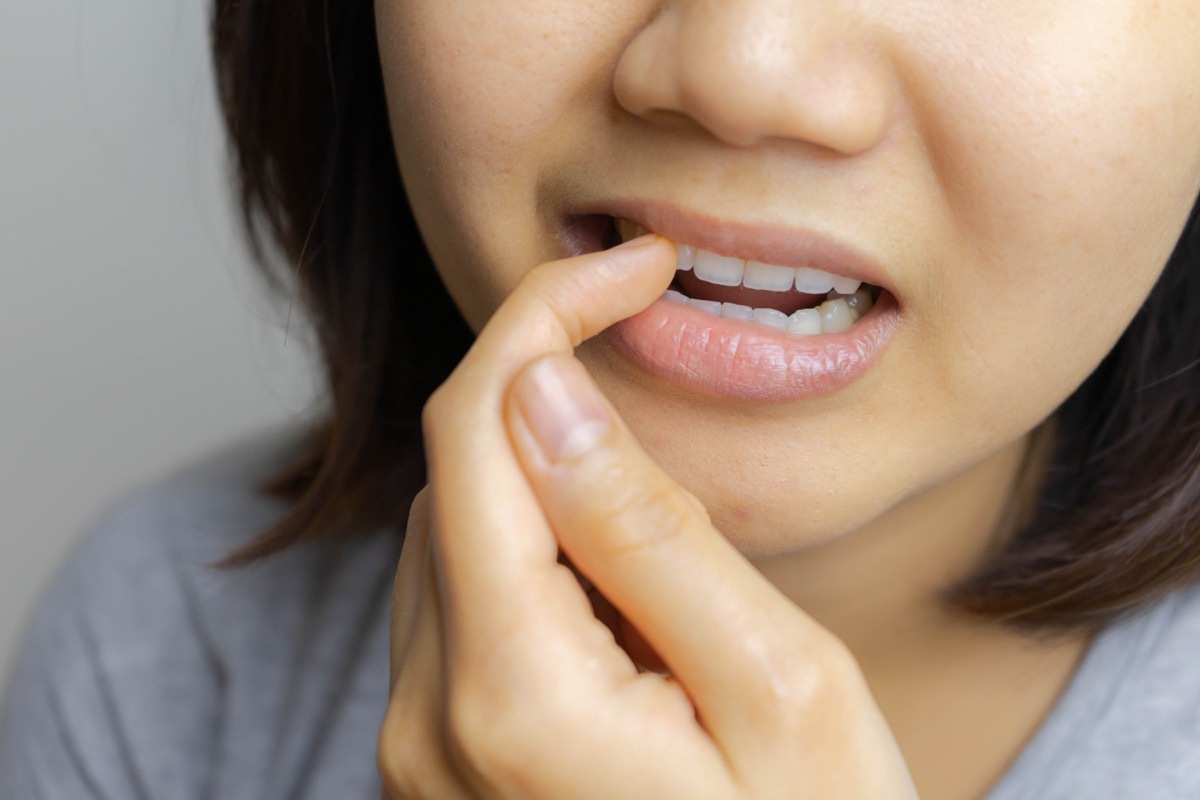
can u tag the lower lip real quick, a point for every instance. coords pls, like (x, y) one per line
(743, 361)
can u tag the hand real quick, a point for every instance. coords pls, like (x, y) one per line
(504, 681)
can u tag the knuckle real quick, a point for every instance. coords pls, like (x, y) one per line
(817, 682)
(560, 292)
(642, 515)
(435, 409)
(495, 738)
(418, 513)
(404, 759)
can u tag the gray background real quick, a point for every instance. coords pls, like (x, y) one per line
(134, 334)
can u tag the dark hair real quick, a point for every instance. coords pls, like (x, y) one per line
(1116, 518)
(300, 88)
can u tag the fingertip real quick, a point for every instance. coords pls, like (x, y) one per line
(649, 256)
(645, 240)
(649, 246)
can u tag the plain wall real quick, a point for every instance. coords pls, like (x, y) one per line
(134, 333)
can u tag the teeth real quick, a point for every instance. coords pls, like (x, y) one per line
(847, 301)
(772, 317)
(814, 281)
(721, 270)
(845, 285)
(727, 271)
(709, 306)
(685, 256)
(765, 276)
(806, 321)
(736, 311)
(836, 316)
(860, 302)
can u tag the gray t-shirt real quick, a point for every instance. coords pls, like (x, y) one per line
(147, 674)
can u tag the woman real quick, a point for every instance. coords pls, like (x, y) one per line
(875, 460)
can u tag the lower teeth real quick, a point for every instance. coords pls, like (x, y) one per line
(838, 313)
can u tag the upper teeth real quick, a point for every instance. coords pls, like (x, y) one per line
(728, 271)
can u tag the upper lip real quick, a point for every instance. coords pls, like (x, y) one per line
(782, 245)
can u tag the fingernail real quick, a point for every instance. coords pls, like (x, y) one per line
(641, 241)
(561, 407)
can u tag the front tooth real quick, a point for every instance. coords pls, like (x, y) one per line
(845, 285)
(709, 306)
(772, 317)
(721, 270)
(767, 276)
(805, 321)
(814, 281)
(736, 311)
(836, 316)
(685, 257)
(675, 297)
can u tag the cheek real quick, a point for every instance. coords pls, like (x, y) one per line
(467, 81)
(455, 126)
(474, 88)
(1069, 168)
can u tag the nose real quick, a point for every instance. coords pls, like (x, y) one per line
(748, 71)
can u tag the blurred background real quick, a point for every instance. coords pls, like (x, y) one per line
(135, 335)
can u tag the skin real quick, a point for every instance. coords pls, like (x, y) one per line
(1021, 173)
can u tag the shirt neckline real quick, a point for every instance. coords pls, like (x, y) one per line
(1078, 713)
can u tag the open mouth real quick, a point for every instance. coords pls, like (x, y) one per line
(801, 301)
(799, 324)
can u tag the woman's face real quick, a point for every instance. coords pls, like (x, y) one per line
(1014, 176)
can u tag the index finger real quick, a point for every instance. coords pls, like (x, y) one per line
(492, 542)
